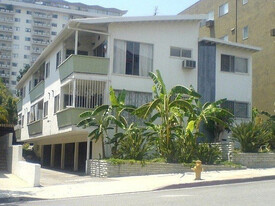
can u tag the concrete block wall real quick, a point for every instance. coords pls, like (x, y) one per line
(226, 149)
(254, 160)
(102, 168)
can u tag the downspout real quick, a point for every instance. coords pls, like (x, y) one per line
(236, 22)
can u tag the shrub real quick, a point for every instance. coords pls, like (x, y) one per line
(251, 136)
(208, 153)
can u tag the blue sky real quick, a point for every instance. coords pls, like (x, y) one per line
(143, 7)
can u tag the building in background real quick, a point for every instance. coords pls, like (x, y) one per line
(28, 26)
(247, 22)
(74, 73)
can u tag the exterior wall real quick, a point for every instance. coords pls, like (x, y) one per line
(162, 36)
(255, 160)
(233, 86)
(259, 16)
(101, 168)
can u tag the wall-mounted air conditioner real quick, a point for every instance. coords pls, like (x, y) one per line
(209, 23)
(189, 64)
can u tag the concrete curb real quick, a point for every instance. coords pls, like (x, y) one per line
(217, 182)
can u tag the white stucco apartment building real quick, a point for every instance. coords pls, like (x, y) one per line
(75, 71)
(27, 27)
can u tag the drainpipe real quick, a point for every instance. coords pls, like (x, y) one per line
(236, 22)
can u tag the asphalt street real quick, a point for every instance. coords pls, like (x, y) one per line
(252, 193)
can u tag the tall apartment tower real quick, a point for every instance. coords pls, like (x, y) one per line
(28, 26)
(247, 22)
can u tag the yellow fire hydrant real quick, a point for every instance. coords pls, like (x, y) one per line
(198, 169)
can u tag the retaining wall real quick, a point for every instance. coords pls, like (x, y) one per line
(102, 168)
(254, 160)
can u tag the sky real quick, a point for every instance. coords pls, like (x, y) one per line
(143, 7)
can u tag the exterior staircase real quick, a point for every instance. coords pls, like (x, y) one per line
(3, 160)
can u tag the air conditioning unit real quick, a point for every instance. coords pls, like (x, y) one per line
(189, 64)
(272, 32)
(209, 23)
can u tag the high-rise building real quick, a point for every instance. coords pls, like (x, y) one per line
(247, 22)
(28, 26)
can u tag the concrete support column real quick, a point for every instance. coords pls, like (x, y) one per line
(63, 156)
(42, 155)
(52, 154)
(74, 90)
(76, 42)
(76, 148)
(87, 155)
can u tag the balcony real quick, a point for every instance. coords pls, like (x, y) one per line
(19, 105)
(3, 75)
(6, 20)
(69, 116)
(37, 91)
(6, 29)
(41, 25)
(5, 38)
(35, 128)
(43, 34)
(41, 16)
(5, 66)
(6, 11)
(44, 43)
(83, 64)
(5, 57)
(8, 48)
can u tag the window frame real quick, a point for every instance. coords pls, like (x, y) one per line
(234, 108)
(224, 11)
(232, 64)
(56, 104)
(181, 52)
(47, 69)
(46, 109)
(58, 59)
(245, 31)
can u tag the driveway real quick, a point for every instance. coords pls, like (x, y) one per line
(59, 177)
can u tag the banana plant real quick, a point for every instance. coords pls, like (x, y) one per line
(162, 108)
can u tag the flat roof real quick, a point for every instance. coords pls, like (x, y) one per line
(231, 44)
(118, 19)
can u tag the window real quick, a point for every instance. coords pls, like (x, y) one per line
(23, 92)
(223, 9)
(245, 2)
(28, 21)
(27, 47)
(47, 70)
(58, 59)
(27, 39)
(30, 85)
(13, 82)
(225, 38)
(27, 30)
(17, 28)
(234, 64)
(36, 111)
(53, 33)
(54, 25)
(133, 58)
(29, 12)
(28, 117)
(17, 19)
(245, 32)
(16, 46)
(16, 37)
(56, 103)
(15, 56)
(14, 64)
(14, 73)
(17, 10)
(180, 52)
(22, 120)
(45, 109)
(26, 56)
(239, 109)
(55, 16)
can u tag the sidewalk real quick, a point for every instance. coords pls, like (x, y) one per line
(97, 186)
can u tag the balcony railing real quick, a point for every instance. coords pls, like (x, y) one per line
(44, 43)
(6, 20)
(37, 91)
(41, 16)
(35, 128)
(83, 64)
(19, 105)
(6, 29)
(5, 57)
(6, 38)
(4, 75)
(37, 33)
(6, 11)
(5, 66)
(42, 25)
(69, 116)
(5, 47)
